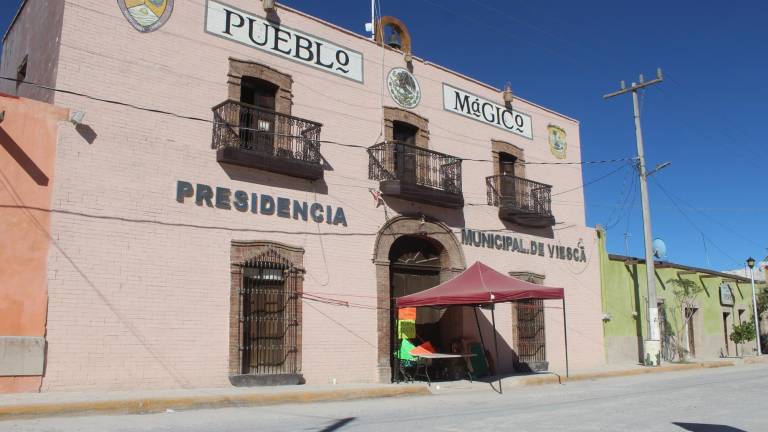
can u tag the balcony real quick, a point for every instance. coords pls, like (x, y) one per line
(521, 201)
(253, 137)
(416, 174)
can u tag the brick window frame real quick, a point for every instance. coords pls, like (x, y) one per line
(498, 146)
(240, 252)
(241, 68)
(393, 114)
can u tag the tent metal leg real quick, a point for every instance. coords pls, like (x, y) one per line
(496, 344)
(480, 332)
(565, 333)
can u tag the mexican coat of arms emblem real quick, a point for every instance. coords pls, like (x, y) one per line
(404, 88)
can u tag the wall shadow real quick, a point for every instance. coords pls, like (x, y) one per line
(704, 285)
(257, 176)
(338, 424)
(547, 232)
(504, 365)
(454, 218)
(87, 133)
(706, 427)
(21, 157)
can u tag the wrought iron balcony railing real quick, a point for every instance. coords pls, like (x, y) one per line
(416, 173)
(246, 135)
(520, 200)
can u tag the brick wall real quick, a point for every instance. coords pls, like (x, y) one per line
(140, 287)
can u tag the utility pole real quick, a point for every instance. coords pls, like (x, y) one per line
(751, 265)
(652, 345)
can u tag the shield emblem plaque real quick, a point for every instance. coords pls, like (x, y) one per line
(146, 15)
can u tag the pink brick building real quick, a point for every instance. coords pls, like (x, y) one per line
(221, 223)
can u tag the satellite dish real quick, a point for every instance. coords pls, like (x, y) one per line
(659, 248)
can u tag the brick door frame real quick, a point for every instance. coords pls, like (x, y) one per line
(240, 252)
(452, 263)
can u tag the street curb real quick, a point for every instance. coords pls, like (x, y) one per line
(755, 360)
(560, 379)
(161, 404)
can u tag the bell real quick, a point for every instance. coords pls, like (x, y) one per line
(507, 94)
(394, 40)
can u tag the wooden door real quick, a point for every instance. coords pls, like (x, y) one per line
(406, 157)
(725, 333)
(258, 121)
(690, 332)
(507, 189)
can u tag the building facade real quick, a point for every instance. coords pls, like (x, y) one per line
(28, 137)
(695, 327)
(250, 189)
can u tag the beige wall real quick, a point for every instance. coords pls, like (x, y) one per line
(28, 136)
(139, 292)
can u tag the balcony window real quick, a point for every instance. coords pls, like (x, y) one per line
(416, 174)
(521, 201)
(250, 136)
(254, 126)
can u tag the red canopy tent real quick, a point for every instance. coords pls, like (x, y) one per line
(481, 285)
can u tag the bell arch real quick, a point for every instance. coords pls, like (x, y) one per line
(452, 262)
(397, 26)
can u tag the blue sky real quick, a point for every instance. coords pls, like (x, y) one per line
(706, 118)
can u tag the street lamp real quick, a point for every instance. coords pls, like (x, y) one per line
(751, 265)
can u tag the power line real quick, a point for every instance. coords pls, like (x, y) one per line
(691, 222)
(215, 123)
(726, 227)
(244, 229)
(603, 177)
(618, 210)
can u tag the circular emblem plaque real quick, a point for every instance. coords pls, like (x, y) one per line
(146, 15)
(404, 88)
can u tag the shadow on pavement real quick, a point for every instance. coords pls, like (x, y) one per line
(704, 427)
(338, 424)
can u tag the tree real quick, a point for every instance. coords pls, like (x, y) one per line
(762, 301)
(685, 292)
(762, 308)
(744, 332)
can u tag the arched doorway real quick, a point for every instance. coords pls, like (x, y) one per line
(411, 254)
(414, 266)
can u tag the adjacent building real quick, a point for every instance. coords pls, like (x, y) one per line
(241, 193)
(693, 327)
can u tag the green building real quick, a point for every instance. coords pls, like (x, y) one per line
(723, 301)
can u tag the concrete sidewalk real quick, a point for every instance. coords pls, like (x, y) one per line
(30, 405)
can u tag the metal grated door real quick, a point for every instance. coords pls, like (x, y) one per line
(270, 305)
(531, 340)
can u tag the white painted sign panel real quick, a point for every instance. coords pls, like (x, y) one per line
(256, 32)
(726, 295)
(468, 105)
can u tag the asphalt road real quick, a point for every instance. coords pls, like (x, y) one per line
(718, 400)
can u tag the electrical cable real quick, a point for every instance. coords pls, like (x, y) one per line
(603, 177)
(217, 123)
(618, 210)
(691, 222)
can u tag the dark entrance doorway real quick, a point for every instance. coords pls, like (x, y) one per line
(726, 316)
(257, 116)
(414, 267)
